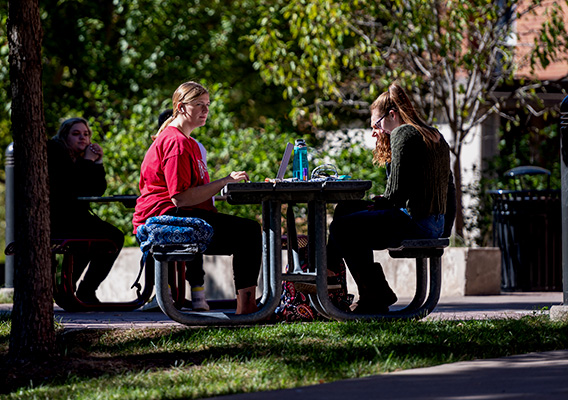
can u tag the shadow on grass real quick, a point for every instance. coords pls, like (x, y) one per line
(327, 349)
(76, 359)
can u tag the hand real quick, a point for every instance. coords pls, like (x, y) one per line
(94, 152)
(237, 176)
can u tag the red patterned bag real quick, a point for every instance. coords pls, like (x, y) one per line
(296, 306)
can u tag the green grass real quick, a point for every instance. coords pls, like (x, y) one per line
(204, 362)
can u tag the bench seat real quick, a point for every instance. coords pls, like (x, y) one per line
(63, 252)
(416, 248)
(428, 277)
(428, 255)
(169, 276)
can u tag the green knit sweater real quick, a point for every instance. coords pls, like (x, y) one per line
(419, 175)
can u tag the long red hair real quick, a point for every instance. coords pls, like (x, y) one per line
(395, 98)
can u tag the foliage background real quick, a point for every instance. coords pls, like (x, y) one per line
(117, 63)
(277, 70)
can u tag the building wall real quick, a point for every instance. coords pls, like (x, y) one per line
(527, 31)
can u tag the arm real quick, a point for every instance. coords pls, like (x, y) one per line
(59, 167)
(381, 202)
(90, 178)
(407, 151)
(185, 173)
(69, 180)
(199, 194)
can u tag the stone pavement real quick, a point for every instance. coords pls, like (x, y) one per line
(506, 305)
(529, 376)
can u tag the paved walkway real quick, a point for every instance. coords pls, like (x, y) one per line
(509, 305)
(530, 376)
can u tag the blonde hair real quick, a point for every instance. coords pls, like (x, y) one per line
(185, 93)
(395, 99)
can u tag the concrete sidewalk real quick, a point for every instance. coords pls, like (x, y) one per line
(532, 376)
(506, 305)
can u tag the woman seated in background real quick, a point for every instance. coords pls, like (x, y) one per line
(412, 207)
(76, 170)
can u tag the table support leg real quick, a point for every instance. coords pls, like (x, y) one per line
(266, 284)
(435, 285)
(275, 247)
(293, 251)
(421, 288)
(318, 252)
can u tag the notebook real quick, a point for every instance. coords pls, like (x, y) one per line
(285, 161)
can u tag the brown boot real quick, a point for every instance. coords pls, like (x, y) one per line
(375, 294)
(246, 301)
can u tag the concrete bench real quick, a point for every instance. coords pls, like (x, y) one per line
(176, 255)
(171, 298)
(428, 254)
(428, 280)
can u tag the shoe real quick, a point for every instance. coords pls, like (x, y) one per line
(375, 306)
(87, 297)
(198, 302)
(199, 305)
(363, 307)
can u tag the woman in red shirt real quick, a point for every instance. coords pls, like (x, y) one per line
(174, 180)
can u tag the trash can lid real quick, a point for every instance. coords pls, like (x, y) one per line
(527, 170)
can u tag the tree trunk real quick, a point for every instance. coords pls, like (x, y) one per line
(459, 224)
(32, 335)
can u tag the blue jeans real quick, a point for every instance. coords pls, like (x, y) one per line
(356, 231)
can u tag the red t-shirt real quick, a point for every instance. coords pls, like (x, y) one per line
(172, 165)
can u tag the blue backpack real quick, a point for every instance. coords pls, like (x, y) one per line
(175, 233)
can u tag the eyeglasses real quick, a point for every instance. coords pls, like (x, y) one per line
(377, 124)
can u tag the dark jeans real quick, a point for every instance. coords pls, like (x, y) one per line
(89, 226)
(356, 231)
(236, 236)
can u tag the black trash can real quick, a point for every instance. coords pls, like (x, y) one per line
(527, 228)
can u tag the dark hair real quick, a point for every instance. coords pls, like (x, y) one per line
(164, 116)
(65, 129)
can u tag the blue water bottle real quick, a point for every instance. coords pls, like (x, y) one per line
(300, 167)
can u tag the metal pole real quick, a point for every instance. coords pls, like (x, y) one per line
(560, 313)
(564, 202)
(9, 202)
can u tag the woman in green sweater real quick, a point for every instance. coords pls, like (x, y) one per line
(412, 207)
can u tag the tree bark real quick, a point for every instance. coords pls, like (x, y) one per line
(32, 335)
